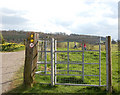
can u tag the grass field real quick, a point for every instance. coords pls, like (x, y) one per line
(90, 57)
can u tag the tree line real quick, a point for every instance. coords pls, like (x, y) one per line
(20, 36)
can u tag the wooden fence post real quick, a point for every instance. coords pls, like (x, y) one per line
(30, 59)
(109, 58)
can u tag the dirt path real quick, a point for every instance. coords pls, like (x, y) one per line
(11, 62)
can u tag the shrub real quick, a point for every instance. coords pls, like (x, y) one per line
(2, 39)
(10, 46)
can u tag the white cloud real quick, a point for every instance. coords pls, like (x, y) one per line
(70, 16)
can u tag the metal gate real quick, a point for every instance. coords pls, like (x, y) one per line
(61, 67)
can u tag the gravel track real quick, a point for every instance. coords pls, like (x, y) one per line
(11, 63)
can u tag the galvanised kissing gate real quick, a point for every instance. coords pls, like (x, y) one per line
(61, 67)
(60, 63)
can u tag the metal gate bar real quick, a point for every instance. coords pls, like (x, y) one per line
(45, 47)
(62, 62)
(52, 62)
(99, 61)
(71, 51)
(78, 84)
(68, 57)
(55, 60)
(83, 61)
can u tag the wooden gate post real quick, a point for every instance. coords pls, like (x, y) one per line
(109, 64)
(30, 58)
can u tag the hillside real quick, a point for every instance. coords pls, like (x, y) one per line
(19, 36)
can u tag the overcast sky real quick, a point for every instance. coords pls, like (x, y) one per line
(89, 17)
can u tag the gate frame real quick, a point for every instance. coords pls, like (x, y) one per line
(81, 63)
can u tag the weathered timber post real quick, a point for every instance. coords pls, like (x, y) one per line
(30, 58)
(109, 64)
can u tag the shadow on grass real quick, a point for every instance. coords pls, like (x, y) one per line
(45, 88)
(71, 80)
(93, 90)
(60, 67)
(98, 91)
(37, 88)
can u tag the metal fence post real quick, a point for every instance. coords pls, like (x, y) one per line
(55, 60)
(45, 47)
(82, 61)
(106, 63)
(100, 61)
(52, 62)
(68, 57)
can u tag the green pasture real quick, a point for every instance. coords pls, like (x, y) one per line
(89, 57)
